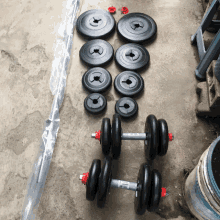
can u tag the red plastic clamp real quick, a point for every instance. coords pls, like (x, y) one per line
(171, 137)
(124, 10)
(163, 192)
(112, 9)
(85, 178)
(98, 135)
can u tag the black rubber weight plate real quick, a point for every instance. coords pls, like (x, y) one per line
(116, 136)
(97, 80)
(132, 57)
(129, 83)
(106, 136)
(142, 195)
(156, 184)
(163, 137)
(95, 24)
(95, 103)
(93, 180)
(137, 28)
(126, 107)
(151, 144)
(96, 53)
(104, 182)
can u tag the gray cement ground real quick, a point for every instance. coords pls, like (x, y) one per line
(26, 42)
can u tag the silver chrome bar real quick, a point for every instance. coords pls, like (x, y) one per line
(124, 184)
(93, 135)
(133, 136)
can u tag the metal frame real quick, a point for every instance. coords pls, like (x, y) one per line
(206, 57)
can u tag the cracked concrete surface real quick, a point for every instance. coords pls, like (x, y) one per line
(27, 37)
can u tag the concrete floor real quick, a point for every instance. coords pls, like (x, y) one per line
(26, 41)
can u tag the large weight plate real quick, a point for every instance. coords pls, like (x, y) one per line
(155, 196)
(95, 103)
(93, 180)
(132, 57)
(163, 137)
(95, 24)
(126, 107)
(116, 136)
(96, 53)
(129, 83)
(142, 195)
(151, 144)
(106, 136)
(97, 80)
(137, 28)
(104, 181)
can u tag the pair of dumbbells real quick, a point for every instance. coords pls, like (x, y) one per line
(148, 189)
(156, 136)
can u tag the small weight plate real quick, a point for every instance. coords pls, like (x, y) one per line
(151, 144)
(116, 136)
(95, 103)
(106, 136)
(126, 107)
(132, 57)
(142, 195)
(96, 53)
(137, 28)
(129, 83)
(93, 180)
(95, 24)
(97, 80)
(163, 137)
(104, 182)
(156, 184)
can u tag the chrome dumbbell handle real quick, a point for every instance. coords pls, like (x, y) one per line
(129, 136)
(133, 136)
(124, 184)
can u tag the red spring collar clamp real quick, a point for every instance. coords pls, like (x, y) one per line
(124, 10)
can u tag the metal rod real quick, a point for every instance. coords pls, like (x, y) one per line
(93, 135)
(124, 184)
(133, 136)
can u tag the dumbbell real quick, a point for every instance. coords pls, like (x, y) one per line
(148, 190)
(156, 136)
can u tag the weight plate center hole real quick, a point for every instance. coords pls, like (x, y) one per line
(97, 78)
(128, 81)
(96, 20)
(95, 101)
(132, 55)
(96, 51)
(126, 106)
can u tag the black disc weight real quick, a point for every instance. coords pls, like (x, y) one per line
(93, 180)
(163, 137)
(129, 83)
(137, 28)
(96, 53)
(151, 144)
(95, 103)
(126, 107)
(97, 80)
(142, 195)
(106, 136)
(116, 136)
(156, 184)
(104, 181)
(95, 24)
(132, 57)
